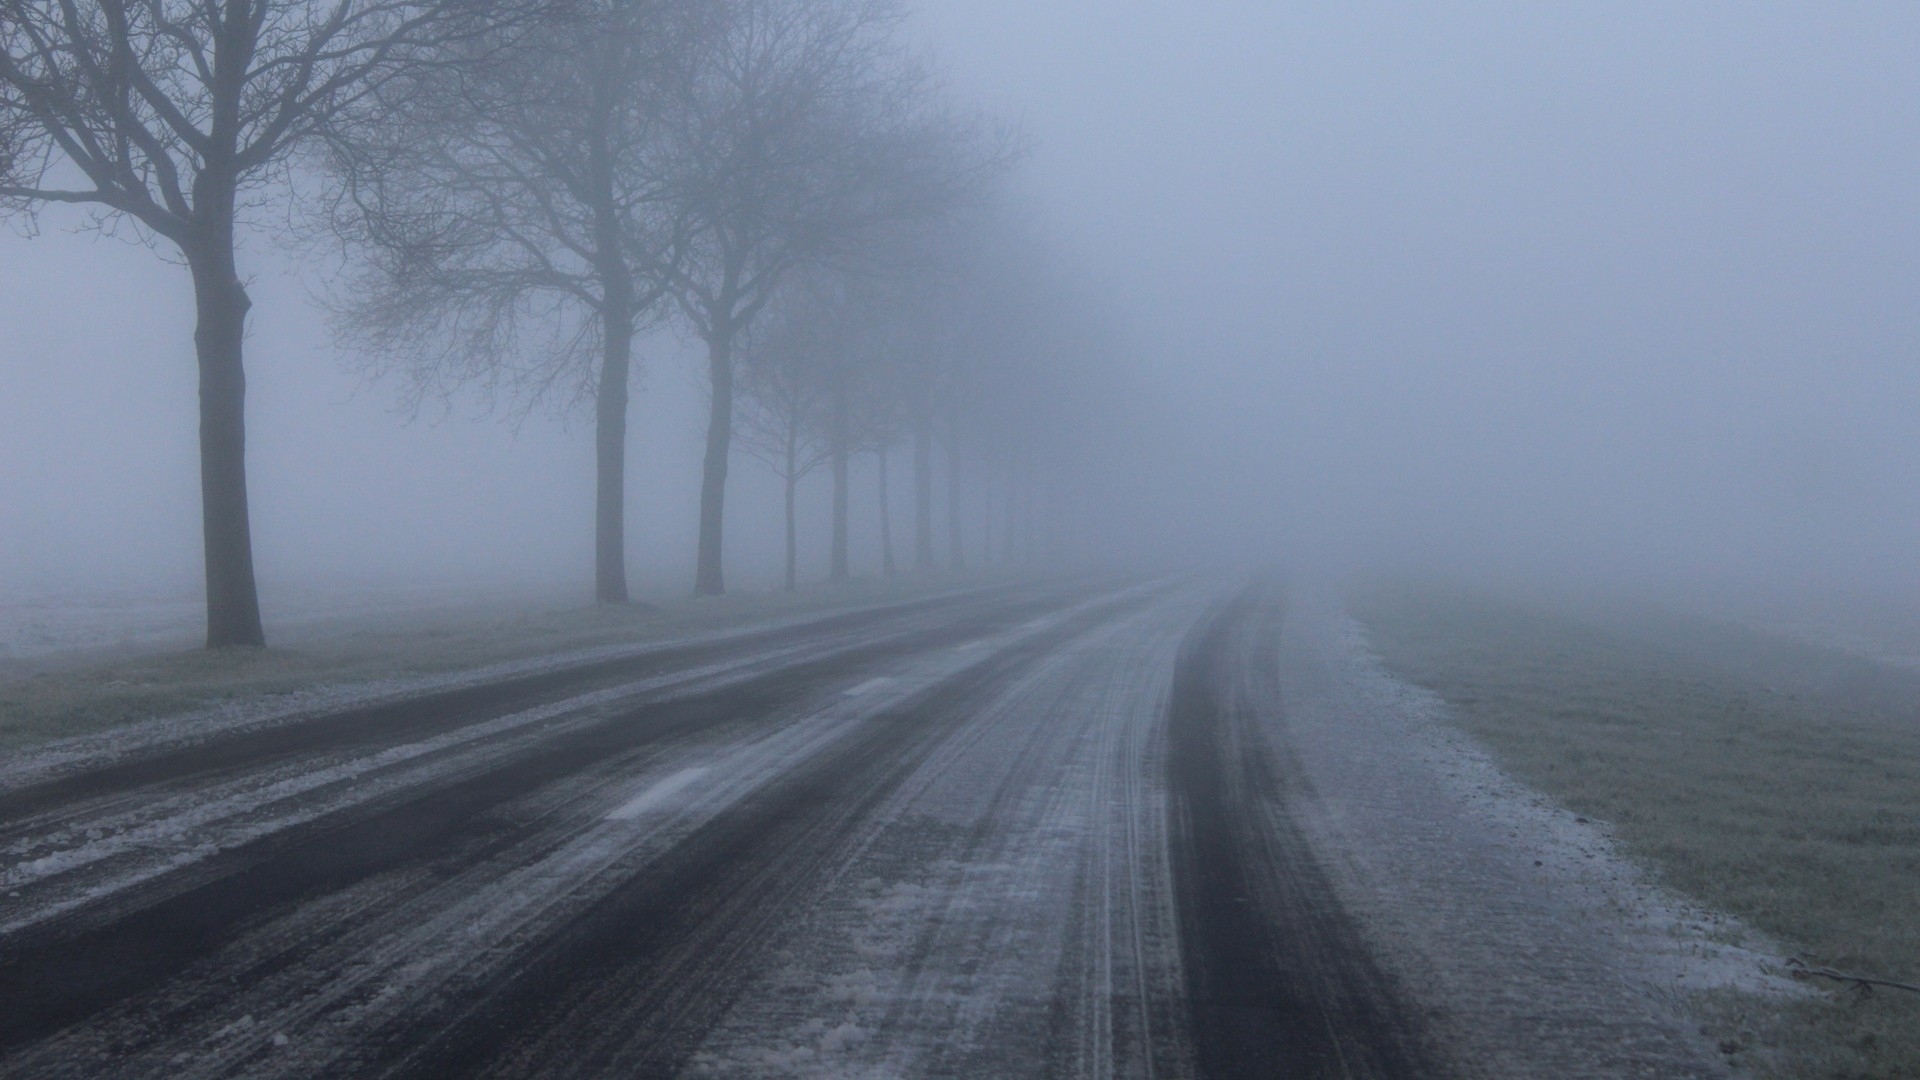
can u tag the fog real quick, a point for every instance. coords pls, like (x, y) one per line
(1622, 294)
(1623, 290)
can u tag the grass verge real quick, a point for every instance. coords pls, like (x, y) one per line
(53, 699)
(1790, 801)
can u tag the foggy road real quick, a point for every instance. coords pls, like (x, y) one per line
(1002, 833)
(959, 539)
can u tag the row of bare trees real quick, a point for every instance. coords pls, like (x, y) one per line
(954, 343)
(521, 187)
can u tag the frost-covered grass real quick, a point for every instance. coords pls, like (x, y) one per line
(54, 695)
(1772, 779)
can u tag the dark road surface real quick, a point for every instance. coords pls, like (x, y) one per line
(1000, 834)
(1278, 980)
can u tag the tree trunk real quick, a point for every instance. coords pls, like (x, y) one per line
(1029, 551)
(1044, 539)
(793, 546)
(616, 351)
(1037, 522)
(956, 549)
(886, 519)
(1008, 553)
(792, 478)
(221, 303)
(610, 445)
(840, 456)
(986, 518)
(923, 496)
(708, 579)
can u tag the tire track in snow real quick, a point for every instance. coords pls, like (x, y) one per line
(84, 851)
(631, 986)
(155, 812)
(1126, 950)
(1007, 912)
(123, 764)
(1278, 978)
(148, 932)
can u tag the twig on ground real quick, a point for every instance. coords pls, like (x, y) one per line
(1800, 969)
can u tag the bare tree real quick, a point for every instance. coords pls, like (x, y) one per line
(179, 115)
(815, 389)
(924, 383)
(888, 565)
(807, 129)
(845, 436)
(514, 226)
(880, 396)
(949, 308)
(862, 382)
(920, 423)
(956, 540)
(781, 402)
(1007, 370)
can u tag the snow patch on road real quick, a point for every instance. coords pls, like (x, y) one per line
(658, 795)
(155, 838)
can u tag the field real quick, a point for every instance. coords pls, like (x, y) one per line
(1768, 778)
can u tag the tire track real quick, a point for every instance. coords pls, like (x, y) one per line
(95, 845)
(633, 985)
(992, 919)
(127, 948)
(1017, 838)
(1278, 980)
(1125, 957)
(194, 758)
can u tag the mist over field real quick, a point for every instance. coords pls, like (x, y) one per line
(1623, 292)
(959, 538)
(1622, 296)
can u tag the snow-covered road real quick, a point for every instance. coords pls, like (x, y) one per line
(1037, 833)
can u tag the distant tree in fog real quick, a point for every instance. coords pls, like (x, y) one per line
(807, 128)
(180, 116)
(810, 391)
(1009, 377)
(858, 411)
(928, 393)
(515, 225)
(781, 397)
(885, 428)
(903, 281)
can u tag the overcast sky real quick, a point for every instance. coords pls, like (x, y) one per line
(1615, 289)
(1635, 285)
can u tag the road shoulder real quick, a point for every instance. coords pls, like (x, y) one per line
(1536, 948)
